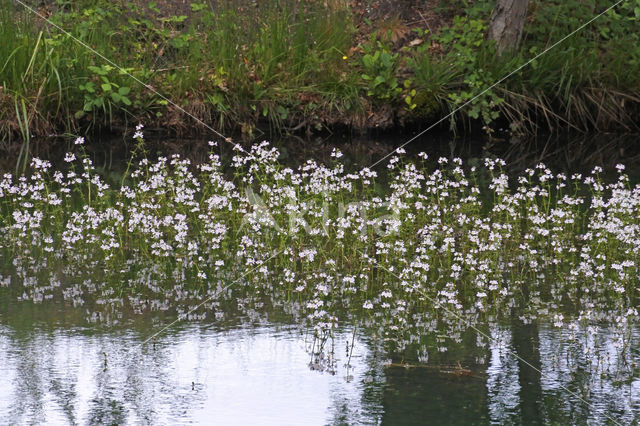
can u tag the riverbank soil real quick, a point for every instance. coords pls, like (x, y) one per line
(302, 67)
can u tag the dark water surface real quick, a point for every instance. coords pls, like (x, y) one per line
(571, 153)
(57, 369)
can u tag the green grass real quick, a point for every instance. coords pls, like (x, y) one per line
(287, 63)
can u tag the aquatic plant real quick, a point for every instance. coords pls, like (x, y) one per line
(446, 247)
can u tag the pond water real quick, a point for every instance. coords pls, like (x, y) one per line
(80, 355)
(57, 369)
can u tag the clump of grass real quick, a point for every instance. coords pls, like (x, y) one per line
(285, 63)
(445, 247)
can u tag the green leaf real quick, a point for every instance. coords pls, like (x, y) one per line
(179, 42)
(124, 90)
(196, 7)
(283, 112)
(106, 87)
(97, 70)
(125, 100)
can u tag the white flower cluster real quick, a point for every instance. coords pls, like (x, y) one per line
(442, 248)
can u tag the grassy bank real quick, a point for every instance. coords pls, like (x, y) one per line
(306, 65)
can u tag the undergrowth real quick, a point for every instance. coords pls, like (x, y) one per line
(305, 65)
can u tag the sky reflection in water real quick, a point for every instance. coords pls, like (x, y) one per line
(242, 376)
(261, 375)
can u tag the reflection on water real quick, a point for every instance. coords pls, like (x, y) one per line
(57, 373)
(55, 370)
(584, 376)
(585, 379)
(241, 376)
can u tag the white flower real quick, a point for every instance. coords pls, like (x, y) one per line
(79, 141)
(69, 157)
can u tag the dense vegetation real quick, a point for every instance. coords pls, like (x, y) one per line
(446, 247)
(239, 65)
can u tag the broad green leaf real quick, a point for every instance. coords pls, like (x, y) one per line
(97, 70)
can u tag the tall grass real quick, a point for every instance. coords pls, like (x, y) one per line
(279, 62)
(304, 64)
(282, 63)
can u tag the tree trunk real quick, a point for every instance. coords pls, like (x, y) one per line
(506, 24)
